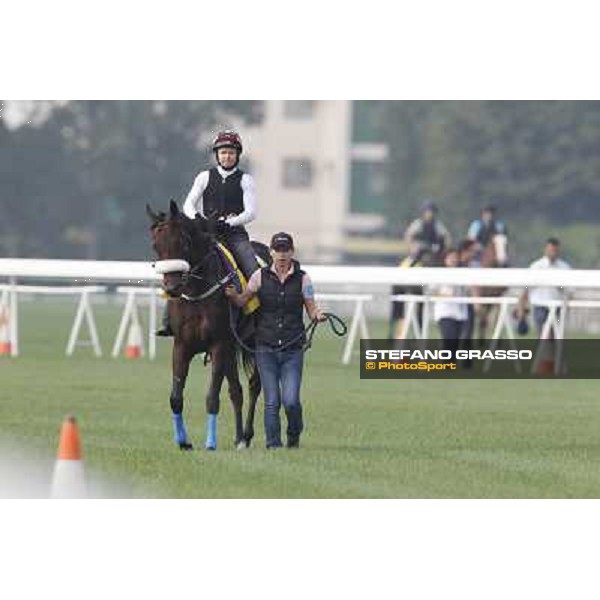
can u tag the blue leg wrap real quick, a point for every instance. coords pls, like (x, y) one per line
(179, 427)
(211, 432)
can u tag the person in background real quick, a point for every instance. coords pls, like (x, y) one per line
(285, 291)
(427, 234)
(483, 229)
(450, 316)
(537, 296)
(467, 250)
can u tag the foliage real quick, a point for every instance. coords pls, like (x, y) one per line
(537, 161)
(76, 183)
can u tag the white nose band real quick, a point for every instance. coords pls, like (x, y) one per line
(163, 267)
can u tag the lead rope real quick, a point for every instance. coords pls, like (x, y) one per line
(337, 326)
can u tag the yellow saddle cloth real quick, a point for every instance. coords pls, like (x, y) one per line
(254, 302)
(409, 262)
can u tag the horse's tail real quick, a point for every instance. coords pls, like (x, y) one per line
(248, 360)
(245, 342)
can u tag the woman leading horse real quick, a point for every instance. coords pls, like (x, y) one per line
(195, 274)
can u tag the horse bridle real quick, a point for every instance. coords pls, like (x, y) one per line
(193, 270)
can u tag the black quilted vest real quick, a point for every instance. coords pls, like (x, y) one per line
(223, 196)
(281, 309)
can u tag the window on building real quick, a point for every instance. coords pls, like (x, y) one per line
(369, 120)
(368, 191)
(298, 109)
(297, 172)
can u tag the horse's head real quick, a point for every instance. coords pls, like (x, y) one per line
(179, 244)
(495, 254)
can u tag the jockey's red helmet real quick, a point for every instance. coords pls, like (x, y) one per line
(227, 139)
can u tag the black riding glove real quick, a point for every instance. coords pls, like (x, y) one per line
(217, 226)
(222, 228)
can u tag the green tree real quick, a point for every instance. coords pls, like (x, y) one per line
(75, 185)
(537, 161)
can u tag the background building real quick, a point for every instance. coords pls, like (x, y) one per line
(320, 172)
(347, 177)
(299, 157)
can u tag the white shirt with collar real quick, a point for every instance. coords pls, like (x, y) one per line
(450, 310)
(538, 295)
(194, 204)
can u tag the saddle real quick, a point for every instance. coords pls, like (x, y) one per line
(231, 265)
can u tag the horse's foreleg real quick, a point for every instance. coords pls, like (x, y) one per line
(254, 389)
(483, 324)
(181, 363)
(212, 397)
(236, 395)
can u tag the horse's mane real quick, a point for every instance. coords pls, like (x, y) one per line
(198, 229)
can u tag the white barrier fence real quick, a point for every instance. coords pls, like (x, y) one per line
(9, 303)
(138, 272)
(412, 328)
(130, 316)
(553, 327)
(142, 273)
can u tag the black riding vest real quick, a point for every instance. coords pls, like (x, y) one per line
(486, 232)
(429, 233)
(223, 196)
(281, 306)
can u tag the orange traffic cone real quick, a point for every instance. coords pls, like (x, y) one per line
(69, 478)
(133, 349)
(5, 347)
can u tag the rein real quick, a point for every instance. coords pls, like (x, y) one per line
(337, 326)
(218, 284)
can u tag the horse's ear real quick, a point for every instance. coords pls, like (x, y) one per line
(173, 209)
(153, 216)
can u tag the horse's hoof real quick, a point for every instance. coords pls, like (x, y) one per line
(185, 446)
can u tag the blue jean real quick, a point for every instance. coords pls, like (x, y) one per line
(281, 378)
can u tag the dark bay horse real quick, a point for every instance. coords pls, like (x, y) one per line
(194, 277)
(494, 254)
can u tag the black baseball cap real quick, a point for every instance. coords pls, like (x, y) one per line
(282, 242)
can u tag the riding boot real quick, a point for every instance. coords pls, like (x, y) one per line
(165, 330)
(240, 246)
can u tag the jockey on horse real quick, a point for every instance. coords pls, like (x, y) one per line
(226, 195)
(427, 234)
(484, 230)
(490, 236)
(427, 239)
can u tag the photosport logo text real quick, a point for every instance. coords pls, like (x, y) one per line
(510, 358)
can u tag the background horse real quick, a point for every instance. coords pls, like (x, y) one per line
(495, 254)
(425, 258)
(194, 277)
